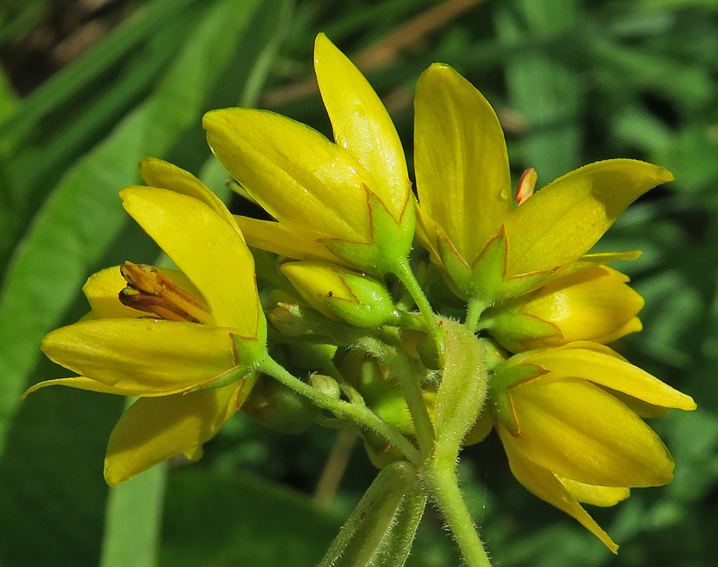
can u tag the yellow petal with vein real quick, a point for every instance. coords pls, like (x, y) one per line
(102, 290)
(595, 495)
(285, 240)
(143, 357)
(462, 169)
(164, 175)
(427, 233)
(594, 304)
(579, 431)
(205, 248)
(293, 171)
(547, 487)
(603, 368)
(154, 429)
(79, 382)
(564, 220)
(362, 125)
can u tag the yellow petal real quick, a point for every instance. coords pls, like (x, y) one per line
(79, 382)
(462, 170)
(154, 429)
(600, 366)
(206, 249)
(143, 357)
(565, 219)
(579, 431)
(102, 290)
(164, 175)
(481, 429)
(547, 487)
(427, 233)
(362, 125)
(285, 240)
(593, 305)
(595, 495)
(293, 171)
(593, 260)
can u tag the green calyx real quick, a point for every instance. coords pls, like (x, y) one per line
(392, 239)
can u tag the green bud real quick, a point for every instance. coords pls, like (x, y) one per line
(276, 406)
(326, 385)
(381, 453)
(341, 294)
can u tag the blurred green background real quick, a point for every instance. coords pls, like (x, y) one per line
(89, 87)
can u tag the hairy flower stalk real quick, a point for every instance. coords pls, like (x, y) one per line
(338, 282)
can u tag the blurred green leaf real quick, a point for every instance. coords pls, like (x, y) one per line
(64, 85)
(133, 519)
(225, 520)
(76, 225)
(543, 90)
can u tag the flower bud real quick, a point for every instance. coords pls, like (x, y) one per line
(274, 405)
(341, 294)
(594, 305)
(326, 385)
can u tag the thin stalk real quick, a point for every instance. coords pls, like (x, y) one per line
(473, 314)
(407, 277)
(361, 415)
(411, 390)
(440, 479)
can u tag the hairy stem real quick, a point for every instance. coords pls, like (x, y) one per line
(361, 415)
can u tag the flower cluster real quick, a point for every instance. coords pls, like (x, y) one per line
(337, 284)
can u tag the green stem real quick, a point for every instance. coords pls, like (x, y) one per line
(440, 478)
(407, 277)
(359, 414)
(473, 314)
(400, 366)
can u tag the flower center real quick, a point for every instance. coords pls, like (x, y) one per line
(152, 292)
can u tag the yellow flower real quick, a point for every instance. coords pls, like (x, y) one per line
(490, 250)
(206, 330)
(591, 305)
(566, 421)
(348, 201)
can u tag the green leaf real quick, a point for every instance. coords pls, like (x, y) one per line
(381, 529)
(462, 391)
(133, 519)
(76, 226)
(51, 484)
(226, 520)
(543, 89)
(64, 86)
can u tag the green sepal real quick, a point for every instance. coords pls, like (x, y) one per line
(463, 388)
(494, 354)
(242, 372)
(500, 382)
(373, 305)
(488, 283)
(392, 240)
(460, 275)
(381, 529)
(507, 321)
